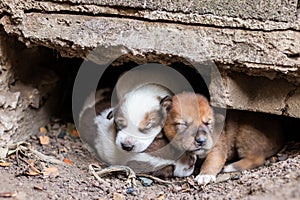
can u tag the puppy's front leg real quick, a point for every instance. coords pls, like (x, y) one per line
(212, 165)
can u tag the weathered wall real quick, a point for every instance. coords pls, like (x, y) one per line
(25, 86)
(255, 43)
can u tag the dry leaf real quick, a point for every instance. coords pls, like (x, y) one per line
(44, 140)
(75, 133)
(8, 194)
(32, 173)
(68, 161)
(161, 197)
(118, 196)
(51, 171)
(4, 164)
(43, 130)
(38, 188)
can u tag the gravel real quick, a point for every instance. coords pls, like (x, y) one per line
(279, 178)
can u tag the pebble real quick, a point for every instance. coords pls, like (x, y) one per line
(282, 157)
(146, 181)
(62, 134)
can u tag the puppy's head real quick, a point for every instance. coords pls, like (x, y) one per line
(189, 125)
(139, 118)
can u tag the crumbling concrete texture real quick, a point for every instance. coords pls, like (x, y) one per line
(255, 43)
(25, 86)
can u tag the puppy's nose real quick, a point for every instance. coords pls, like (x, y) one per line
(127, 147)
(201, 140)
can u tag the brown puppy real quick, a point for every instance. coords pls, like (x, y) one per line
(252, 137)
(189, 124)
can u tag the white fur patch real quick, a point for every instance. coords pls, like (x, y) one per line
(142, 100)
(108, 152)
(182, 170)
(203, 179)
(229, 168)
(136, 105)
(140, 144)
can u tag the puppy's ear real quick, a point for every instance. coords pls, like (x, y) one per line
(112, 113)
(166, 102)
(219, 118)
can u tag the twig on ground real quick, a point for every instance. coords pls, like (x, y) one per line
(99, 172)
(24, 148)
(158, 180)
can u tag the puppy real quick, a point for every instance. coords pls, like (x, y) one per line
(250, 137)
(140, 115)
(189, 124)
(99, 131)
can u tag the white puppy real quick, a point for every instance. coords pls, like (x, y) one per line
(140, 116)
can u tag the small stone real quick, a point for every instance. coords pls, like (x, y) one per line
(146, 181)
(235, 176)
(282, 157)
(222, 178)
(62, 134)
(131, 190)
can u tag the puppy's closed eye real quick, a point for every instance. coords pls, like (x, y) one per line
(146, 126)
(181, 126)
(207, 123)
(149, 125)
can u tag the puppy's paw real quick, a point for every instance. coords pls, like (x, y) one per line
(203, 179)
(230, 168)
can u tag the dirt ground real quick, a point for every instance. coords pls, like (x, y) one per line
(26, 174)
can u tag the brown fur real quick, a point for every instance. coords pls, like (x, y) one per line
(187, 117)
(252, 137)
(159, 147)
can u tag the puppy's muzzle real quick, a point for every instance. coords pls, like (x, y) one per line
(127, 147)
(201, 136)
(200, 141)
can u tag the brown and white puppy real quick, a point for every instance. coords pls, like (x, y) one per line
(99, 131)
(251, 137)
(140, 115)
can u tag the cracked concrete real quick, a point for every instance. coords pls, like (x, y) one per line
(293, 104)
(254, 43)
(260, 94)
